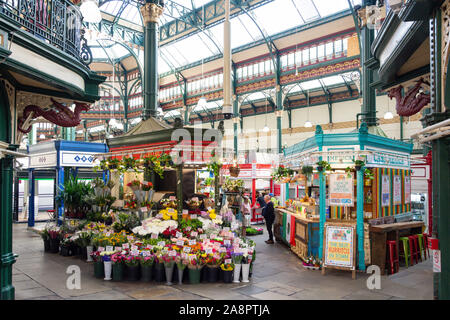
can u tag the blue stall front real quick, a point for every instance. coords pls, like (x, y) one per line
(51, 159)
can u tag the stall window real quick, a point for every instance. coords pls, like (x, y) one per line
(284, 61)
(298, 58)
(313, 54)
(329, 51)
(305, 56)
(321, 52)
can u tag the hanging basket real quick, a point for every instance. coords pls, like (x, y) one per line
(234, 171)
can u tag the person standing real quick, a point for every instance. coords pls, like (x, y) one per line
(269, 216)
(261, 201)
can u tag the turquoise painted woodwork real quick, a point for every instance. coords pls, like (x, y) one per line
(360, 218)
(31, 207)
(313, 239)
(322, 203)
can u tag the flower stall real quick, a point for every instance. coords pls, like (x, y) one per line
(364, 181)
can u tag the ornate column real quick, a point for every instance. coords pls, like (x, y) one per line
(279, 114)
(150, 15)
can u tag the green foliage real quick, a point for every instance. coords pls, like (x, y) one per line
(235, 185)
(359, 163)
(282, 172)
(75, 195)
(324, 164)
(193, 223)
(368, 174)
(126, 222)
(307, 171)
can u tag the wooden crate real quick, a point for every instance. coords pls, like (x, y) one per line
(301, 230)
(300, 249)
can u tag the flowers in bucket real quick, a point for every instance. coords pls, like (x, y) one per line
(55, 233)
(169, 259)
(246, 258)
(132, 261)
(147, 260)
(312, 261)
(237, 257)
(214, 260)
(181, 263)
(169, 213)
(193, 262)
(227, 266)
(194, 203)
(106, 255)
(96, 256)
(117, 258)
(130, 204)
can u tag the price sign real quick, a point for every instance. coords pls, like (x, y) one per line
(180, 243)
(193, 216)
(203, 236)
(126, 245)
(150, 247)
(134, 247)
(185, 212)
(208, 209)
(179, 235)
(226, 229)
(130, 238)
(154, 236)
(222, 249)
(213, 235)
(194, 234)
(188, 228)
(226, 242)
(187, 249)
(108, 233)
(145, 253)
(192, 242)
(172, 198)
(118, 249)
(144, 209)
(208, 251)
(161, 243)
(134, 252)
(227, 261)
(109, 248)
(100, 249)
(172, 253)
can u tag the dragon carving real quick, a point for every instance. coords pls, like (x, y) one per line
(62, 116)
(412, 102)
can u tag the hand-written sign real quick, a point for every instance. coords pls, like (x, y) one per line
(397, 189)
(341, 190)
(407, 189)
(385, 191)
(339, 246)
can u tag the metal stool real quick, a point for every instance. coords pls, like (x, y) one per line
(393, 260)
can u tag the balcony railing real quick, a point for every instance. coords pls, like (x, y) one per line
(57, 22)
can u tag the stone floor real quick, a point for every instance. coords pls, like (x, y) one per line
(278, 274)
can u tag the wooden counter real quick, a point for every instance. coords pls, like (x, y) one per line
(380, 234)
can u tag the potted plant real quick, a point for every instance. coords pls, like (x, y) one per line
(359, 164)
(55, 238)
(106, 258)
(147, 261)
(99, 270)
(159, 268)
(212, 263)
(227, 269)
(237, 260)
(234, 170)
(194, 268)
(169, 263)
(117, 266)
(66, 247)
(323, 165)
(46, 238)
(368, 177)
(181, 266)
(132, 267)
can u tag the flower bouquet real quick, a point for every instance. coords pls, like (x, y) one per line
(132, 263)
(181, 266)
(134, 185)
(237, 257)
(147, 261)
(169, 259)
(227, 269)
(169, 203)
(117, 266)
(194, 268)
(55, 236)
(312, 263)
(194, 203)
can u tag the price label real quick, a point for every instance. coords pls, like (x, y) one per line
(228, 261)
(150, 247)
(194, 234)
(172, 198)
(185, 212)
(180, 243)
(208, 209)
(222, 249)
(134, 252)
(144, 209)
(172, 253)
(109, 248)
(213, 235)
(179, 235)
(208, 250)
(203, 236)
(100, 249)
(161, 243)
(130, 238)
(192, 242)
(188, 228)
(226, 229)
(145, 253)
(154, 236)
(226, 242)
(134, 247)
(117, 248)
(193, 216)
(108, 233)
(187, 249)
(126, 245)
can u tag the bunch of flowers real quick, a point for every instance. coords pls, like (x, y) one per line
(169, 203)
(170, 232)
(181, 263)
(312, 261)
(55, 233)
(193, 262)
(227, 266)
(237, 257)
(169, 213)
(194, 203)
(118, 257)
(212, 214)
(96, 256)
(44, 234)
(132, 261)
(147, 186)
(246, 258)
(134, 185)
(169, 260)
(154, 226)
(148, 260)
(214, 259)
(95, 227)
(106, 255)
(130, 204)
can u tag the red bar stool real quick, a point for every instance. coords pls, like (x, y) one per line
(426, 249)
(414, 244)
(393, 261)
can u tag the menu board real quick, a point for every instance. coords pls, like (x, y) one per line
(341, 190)
(385, 191)
(407, 189)
(397, 189)
(339, 246)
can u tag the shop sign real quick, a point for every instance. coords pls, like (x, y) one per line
(341, 190)
(339, 248)
(436, 260)
(76, 159)
(397, 187)
(407, 189)
(381, 159)
(43, 160)
(385, 191)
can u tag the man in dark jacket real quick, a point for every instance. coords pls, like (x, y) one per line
(261, 201)
(269, 215)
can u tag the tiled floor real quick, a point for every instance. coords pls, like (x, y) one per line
(278, 274)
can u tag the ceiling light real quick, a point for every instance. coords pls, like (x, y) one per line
(266, 128)
(90, 11)
(202, 102)
(308, 124)
(42, 136)
(388, 115)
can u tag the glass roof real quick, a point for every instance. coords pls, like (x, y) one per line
(272, 18)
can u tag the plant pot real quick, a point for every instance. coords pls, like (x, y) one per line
(204, 275)
(108, 270)
(367, 182)
(54, 245)
(194, 276)
(213, 274)
(169, 274)
(65, 251)
(319, 168)
(159, 272)
(133, 273)
(117, 271)
(227, 276)
(180, 275)
(237, 273)
(146, 273)
(99, 271)
(47, 245)
(357, 168)
(245, 272)
(89, 250)
(234, 171)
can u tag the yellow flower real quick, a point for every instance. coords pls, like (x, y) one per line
(212, 216)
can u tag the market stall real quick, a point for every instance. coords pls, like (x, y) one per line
(53, 160)
(364, 180)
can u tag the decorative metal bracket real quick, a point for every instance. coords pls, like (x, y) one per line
(85, 50)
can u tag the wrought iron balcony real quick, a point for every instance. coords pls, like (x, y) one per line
(56, 22)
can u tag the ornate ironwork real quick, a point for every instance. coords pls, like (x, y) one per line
(86, 53)
(412, 102)
(57, 22)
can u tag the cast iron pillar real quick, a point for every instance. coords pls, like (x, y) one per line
(368, 92)
(151, 12)
(7, 258)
